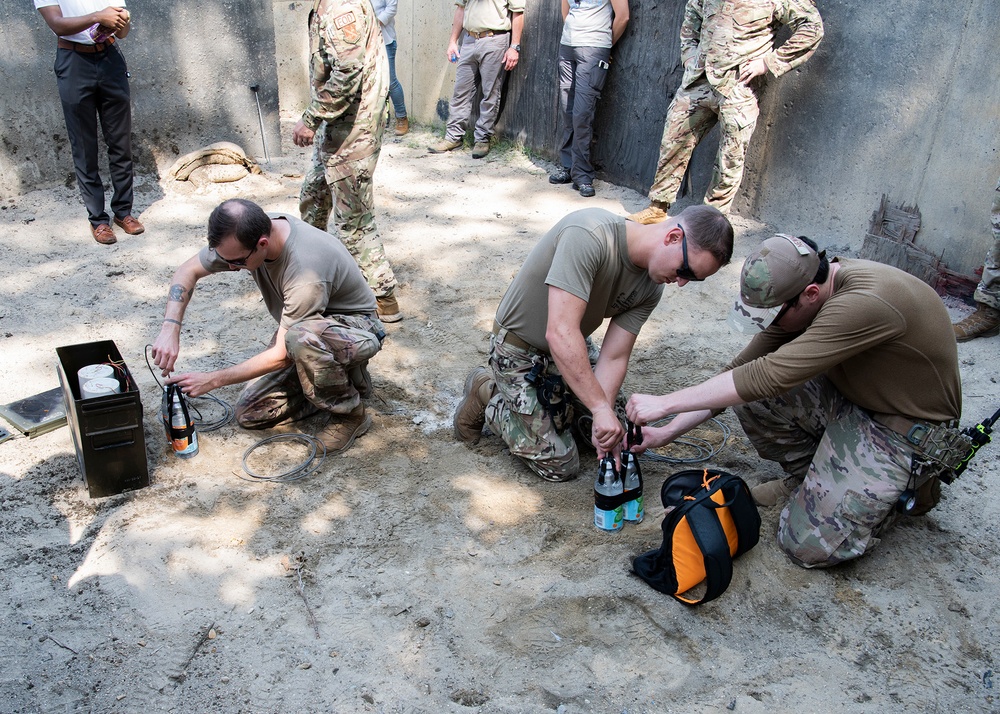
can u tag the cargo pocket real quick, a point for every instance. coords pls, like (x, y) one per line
(862, 510)
(760, 14)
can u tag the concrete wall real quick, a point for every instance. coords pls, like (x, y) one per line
(900, 99)
(191, 63)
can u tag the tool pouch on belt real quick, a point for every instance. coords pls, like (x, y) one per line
(552, 394)
(937, 452)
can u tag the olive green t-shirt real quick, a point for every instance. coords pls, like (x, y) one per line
(585, 254)
(315, 276)
(883, 338)
(482, 15)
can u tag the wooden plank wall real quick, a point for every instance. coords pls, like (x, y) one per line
(645, 73)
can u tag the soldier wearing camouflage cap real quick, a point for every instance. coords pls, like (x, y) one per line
(726, 47)
(850, 383)
(345, 120)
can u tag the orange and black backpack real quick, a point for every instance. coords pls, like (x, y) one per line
(710, 519)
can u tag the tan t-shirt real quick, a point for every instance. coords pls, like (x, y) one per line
(585, 254)
(314, 276)
(482, 15)
(883, 338)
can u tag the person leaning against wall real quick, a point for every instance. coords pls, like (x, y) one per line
(590, 29)
(985, 321)
(385, 11)
(93, 82)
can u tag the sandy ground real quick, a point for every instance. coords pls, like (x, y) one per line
(413, 573)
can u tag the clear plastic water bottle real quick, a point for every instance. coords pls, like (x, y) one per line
(632, 483)
(608, 490)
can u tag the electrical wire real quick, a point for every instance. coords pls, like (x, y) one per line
(703, 449)
(311, 464)
(200, 423)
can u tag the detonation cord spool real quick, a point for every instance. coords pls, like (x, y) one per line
(311, 464)
(703, 448)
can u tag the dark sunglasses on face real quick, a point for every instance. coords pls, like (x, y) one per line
(684, 272)
(239, 263)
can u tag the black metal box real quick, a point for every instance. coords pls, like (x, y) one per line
(107, 430)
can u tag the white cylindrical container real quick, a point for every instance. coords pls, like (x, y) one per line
(93, 371)
(100, 387)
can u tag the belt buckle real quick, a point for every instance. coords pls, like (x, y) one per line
(918, 433)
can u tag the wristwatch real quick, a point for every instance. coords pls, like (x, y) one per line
(516, 48)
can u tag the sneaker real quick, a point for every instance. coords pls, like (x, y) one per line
(387, 308)
(360, 378)
(340, 433)
(984, 322)
(402, 125)
(653, 213)
(771, 493)
(443, 146)
(480, 149)
(560, 176)
(586, 190)
(470, 416)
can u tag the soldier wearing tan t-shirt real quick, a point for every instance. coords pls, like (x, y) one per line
(325, 310)
(852, 386)
(590, 266)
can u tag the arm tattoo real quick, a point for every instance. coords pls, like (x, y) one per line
(178, 293)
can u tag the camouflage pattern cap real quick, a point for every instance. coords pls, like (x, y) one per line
(778, 271)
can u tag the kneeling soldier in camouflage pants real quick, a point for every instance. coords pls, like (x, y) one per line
(589, 266)
(327, 326)
(851, 385)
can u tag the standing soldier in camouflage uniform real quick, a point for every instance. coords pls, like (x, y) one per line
(725, 46)
(851, 385)
(589, 266)
(345, 120)
(327, 328)
(985, 321)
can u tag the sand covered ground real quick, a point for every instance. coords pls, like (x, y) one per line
(413, 573)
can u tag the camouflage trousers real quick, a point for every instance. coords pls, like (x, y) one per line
(853, 471)
(323, 351)
(516, 416)
(350, 184)
(691, 115)
(988, 291)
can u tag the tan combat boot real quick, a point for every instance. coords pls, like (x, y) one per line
(443, 146)
(655, 212)
(470, 416)
(984, 322)
(340, 433)
(402, 125)
(388, 308)
(771, 493)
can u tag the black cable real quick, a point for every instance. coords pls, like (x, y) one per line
(309, 465)
(200, 424)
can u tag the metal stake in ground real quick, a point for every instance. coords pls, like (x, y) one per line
(260, 118)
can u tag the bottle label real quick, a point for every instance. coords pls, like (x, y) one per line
(608, 520)
(634, 511)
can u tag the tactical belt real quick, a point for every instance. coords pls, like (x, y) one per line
(486, 33)
(943, 443)
(513, 340)
(85, 49)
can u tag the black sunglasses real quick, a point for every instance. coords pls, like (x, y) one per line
(239, 263)
(684, 272)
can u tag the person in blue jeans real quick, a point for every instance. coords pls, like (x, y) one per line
(385, 11)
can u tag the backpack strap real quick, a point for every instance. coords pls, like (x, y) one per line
(712, 542)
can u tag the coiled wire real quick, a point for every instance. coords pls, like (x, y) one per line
(703, 449)
(311, 464)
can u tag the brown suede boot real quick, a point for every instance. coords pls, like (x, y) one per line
(773, 493)
(402, 125)
(470, 416)
(655, 212)
(340, 433)
(984, 322)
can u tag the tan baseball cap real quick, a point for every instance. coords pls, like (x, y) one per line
(774, 274)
